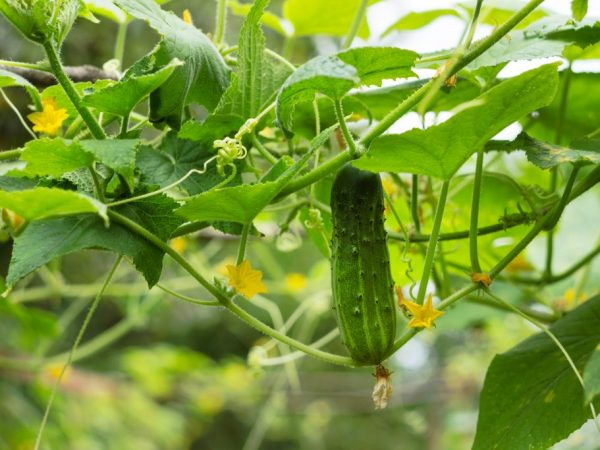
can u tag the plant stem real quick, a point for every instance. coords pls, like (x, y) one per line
(473, 230)
(186, 298)
(97, 184)
(339, 114)
(124, 126)
(138, 229)
(539, 315)
(262, 149)
(243, 241)
(69, 88)
(82, 330)
(24, 65)
(454, 235)
(265, 329)
(414, 203)
(18, 114)
(119, 51)
(358, 18)
(11, 154)
(433, 240)
(221, 21)
(559, 277)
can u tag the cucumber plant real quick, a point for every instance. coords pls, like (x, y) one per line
(208, 130)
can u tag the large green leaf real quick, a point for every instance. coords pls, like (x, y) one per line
(173, 159)
(202, 79)
(54, 157)
(375, 64)
(440, 150)
(121, 97)
(591, 376)
(258, 75)
(243, 203)
(310, 17)
(48, 239)
(531, 398)
(41, 203)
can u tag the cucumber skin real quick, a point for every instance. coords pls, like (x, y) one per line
(361, 280)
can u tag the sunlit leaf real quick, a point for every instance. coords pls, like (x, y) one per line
(579, 8)
(375, 64)
(591, 376)
(440, 150)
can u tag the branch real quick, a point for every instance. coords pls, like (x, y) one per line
(42, 79)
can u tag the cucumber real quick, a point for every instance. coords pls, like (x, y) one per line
(360, 267)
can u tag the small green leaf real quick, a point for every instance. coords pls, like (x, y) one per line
(375, 64)
(327, 75)
(119, 155)
(107, 9)
(440, 150)
(417, 20)
(546, 155)
(258, 76)
(243, 203)
(121, 97)
(310, 17)
(202, 79)
(41, 203)
(54, 157)
(591, 376)
(579, 9)
(214, 127)
(268, 19)
(45, 240)
(9, 79)
(531, 398)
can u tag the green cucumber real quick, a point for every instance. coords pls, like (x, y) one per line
(360, 267)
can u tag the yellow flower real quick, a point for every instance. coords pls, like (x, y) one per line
(245, 280)
(178, 244)
(482, 278)
(295, 282)
(50, 119)
(187, 17)
(422, 315)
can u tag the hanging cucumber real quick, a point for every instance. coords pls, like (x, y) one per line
(360, 270)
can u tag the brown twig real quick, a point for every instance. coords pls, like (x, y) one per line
(77, 74)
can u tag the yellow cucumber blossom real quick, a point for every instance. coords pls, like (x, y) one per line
(423, 315)
(482, 278)
(245, 280)
(229, 149)
(187, 17)
(50, 119)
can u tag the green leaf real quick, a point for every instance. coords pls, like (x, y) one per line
(173, 159)
(310, 17)
(518, 46)
(10, 184)
(41, 202)
(120, 98)
(579, 9)
(327, 75)
(119, 155)
(243, 203)
(440, 150)
(202, 79)
(546, 155)
(500, 11)
(417, 20)
(258, 76)
(216, 126)
(531, 398)
(45, 240)
(581, 113)
(9, 79)
(54, 157)
(375, 64)
(268, 19)
(591, 376)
